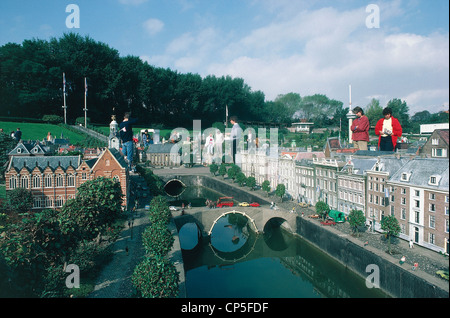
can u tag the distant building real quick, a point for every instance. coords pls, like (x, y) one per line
(437, 145)
(164, 155)
(301, 127)
(29, 149)
(429, 128)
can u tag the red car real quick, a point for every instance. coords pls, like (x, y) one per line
(225, 201)
(254, 204)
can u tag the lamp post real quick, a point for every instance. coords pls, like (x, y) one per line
(350, 115)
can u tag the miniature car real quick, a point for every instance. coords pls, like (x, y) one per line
(244, 204)
(254, 204)
(172, 208)
(303, 204)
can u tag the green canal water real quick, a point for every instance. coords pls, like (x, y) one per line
(238, 263)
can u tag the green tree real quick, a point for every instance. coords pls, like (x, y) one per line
(213, 168)
(157, 239)
(6, 145)
(280, 191)
(19, 200)
(374, 111)
(356, 218)
(266, 186)
(240, 178)
(96, 207)
(159, 210)
(322, 209)
(222, 170)
(390, 225)
(156, 278)
(400, 110)
(251, 182)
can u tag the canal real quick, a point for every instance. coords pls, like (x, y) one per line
(235, 262)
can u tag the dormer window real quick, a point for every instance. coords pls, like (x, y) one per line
(405, 176)
(19, 150)
(434, 180)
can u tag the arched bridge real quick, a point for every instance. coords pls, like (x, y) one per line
(258, 217)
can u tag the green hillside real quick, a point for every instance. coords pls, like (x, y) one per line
(35, 131)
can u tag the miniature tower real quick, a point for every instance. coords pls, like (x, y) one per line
(350, 115)
(113, 139)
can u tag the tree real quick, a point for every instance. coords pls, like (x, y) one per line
(251, 182)
(391, 226)
(240, 178)
(213, 168)
(400, 110)
(233, 171)
(374, 111)
(356, 218)
(322, 209)
(266, 186)
(6, 145)
(222, 170)
(280, 191)
(157, 239)
(19, 200)
(97, 205)
(156, 277)
(159, 210)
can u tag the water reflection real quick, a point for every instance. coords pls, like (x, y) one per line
(230, 233)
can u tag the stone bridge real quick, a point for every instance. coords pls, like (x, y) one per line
(258, 218)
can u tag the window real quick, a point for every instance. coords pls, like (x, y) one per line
(417, 203)
(435, 141)
(48, 181)
(83, 176)
(417, 193)
(431, 222)
(403, 201)
(71, 180)
(24, 182)
(432, 207)
(432, 196)
(59, 201)
(12, 182)
(403, 190)
(36, 181)
(403, 214)
(59, 181)
(392, 210)
(439, 152)
(417, 217)
(405, 176)
(431, 238)
(107, 162)
(37, 202)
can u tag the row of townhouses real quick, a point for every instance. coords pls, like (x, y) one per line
(413, 188)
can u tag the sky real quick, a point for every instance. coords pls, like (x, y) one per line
(383, 49)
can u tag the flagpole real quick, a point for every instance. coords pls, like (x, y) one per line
(226, 116)
(64, 95)
(85, 103)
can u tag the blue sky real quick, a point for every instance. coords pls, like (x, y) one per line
(276, 46)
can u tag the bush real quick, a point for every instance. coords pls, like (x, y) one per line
(52, 119)
(159, 210)
(156, 278)
(157, 240)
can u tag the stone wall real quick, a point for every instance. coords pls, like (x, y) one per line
(394, 280)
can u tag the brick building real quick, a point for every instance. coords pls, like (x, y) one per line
(53, 180)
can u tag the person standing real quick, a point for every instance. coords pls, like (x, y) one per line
(218, 147)
(388, 129)
(209, 145)
(18, 135)
(360, 128)
(146, 138)
(126, 134)
(236, 133)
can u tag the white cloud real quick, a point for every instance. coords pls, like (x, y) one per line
(153, 26)
(322, 51)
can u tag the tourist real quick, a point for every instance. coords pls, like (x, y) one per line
(18, 135)
(218, 147)
(49, 137)
(360, 129)
(236, 132)
(126, 134)
(402, 260)
(146, 138)
(209, 145)
(388, 129)
(411, 244)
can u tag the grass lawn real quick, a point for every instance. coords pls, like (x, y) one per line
(36, 131)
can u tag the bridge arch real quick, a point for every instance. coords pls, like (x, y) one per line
(252, 221)
(278, 221)
(174, 187)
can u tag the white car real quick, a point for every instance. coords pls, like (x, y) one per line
(172, 208)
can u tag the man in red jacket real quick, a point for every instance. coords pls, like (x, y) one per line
(360, 129)
(388, 129)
